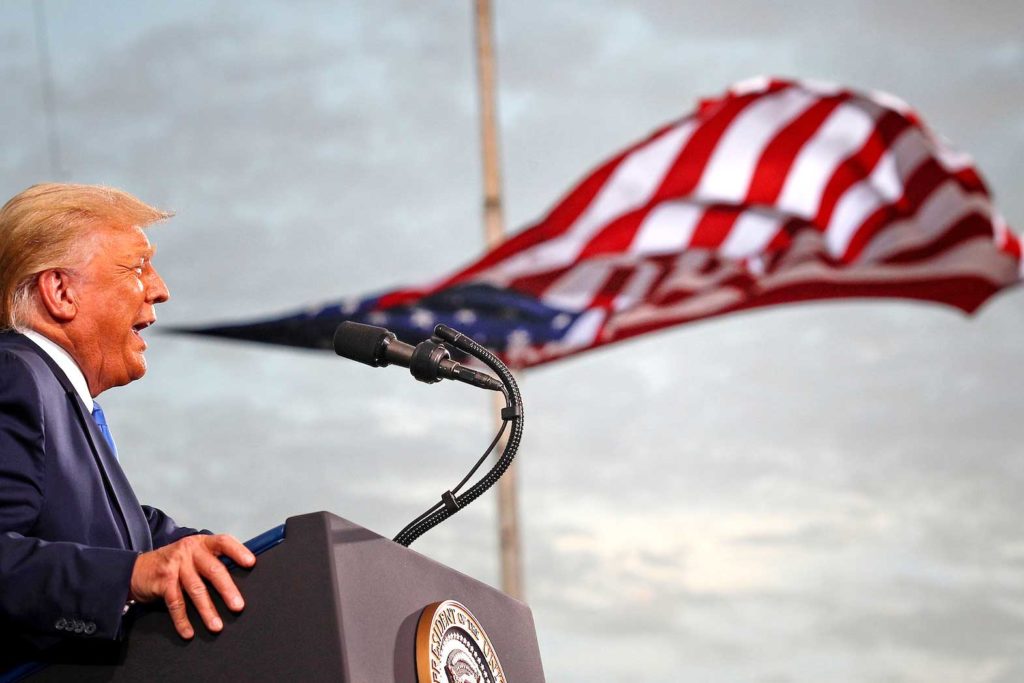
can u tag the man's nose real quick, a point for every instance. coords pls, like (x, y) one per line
(157, 291)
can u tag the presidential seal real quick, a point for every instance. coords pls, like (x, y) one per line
(451, 647)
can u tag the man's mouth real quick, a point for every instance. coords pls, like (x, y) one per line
(137, 328)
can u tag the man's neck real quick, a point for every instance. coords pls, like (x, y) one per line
(65, 362)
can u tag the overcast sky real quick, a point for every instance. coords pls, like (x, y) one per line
(816, 492)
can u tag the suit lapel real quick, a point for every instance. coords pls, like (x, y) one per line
(119, 491)
(117, 483)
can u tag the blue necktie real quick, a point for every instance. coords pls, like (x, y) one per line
(101, 422)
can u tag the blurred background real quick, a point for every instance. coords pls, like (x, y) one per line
(818, 491)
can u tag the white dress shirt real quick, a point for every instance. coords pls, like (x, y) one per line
(66, 363)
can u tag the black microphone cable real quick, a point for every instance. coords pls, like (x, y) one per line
(512, 414)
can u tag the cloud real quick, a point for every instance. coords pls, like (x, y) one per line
(811, 492)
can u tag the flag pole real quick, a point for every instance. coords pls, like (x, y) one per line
(494, 232)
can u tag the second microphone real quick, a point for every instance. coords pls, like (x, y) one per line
(428, 361)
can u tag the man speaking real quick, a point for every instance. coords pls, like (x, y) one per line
(77, 289)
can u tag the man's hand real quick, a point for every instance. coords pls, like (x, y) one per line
(182, 566)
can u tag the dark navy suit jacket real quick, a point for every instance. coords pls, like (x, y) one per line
(70, 525)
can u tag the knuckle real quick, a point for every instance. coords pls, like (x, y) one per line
(196, 588)
(184, 546)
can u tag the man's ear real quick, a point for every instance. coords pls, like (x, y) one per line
(57, 294)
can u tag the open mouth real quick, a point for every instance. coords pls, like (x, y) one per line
(137, 328)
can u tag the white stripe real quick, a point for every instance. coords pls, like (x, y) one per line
(974, 258)
(845, 130)
(727, 176)
(890, 101)
(667, 228)
(707, 302)
(582, 333)
(630, 186)
(884, 185)
(576, 288)
(1001, 230)
(952, 159)
(689, 273)
(856, 204)
(823, 88)
(946, 205)
(750, 86)
(949, 157)
(750, 234)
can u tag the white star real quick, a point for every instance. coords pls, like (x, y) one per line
(518, 338)
(377, 318)
(465, 316)
(421, 318)
(561, 321)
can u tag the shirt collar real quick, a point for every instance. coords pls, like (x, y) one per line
(66, 363)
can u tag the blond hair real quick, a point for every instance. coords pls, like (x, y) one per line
(41, 227)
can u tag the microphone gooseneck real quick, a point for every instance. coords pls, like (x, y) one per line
(511, 414)
(430, 361)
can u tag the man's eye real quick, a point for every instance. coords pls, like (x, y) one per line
(138, 270)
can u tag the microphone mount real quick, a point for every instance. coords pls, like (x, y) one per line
(429, 361)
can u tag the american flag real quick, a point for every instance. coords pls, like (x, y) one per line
(778, 191)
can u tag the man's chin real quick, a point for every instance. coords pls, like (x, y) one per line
(133, 370)
(138, 370)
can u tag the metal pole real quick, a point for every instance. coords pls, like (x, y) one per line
(46, 79)
(494, 231)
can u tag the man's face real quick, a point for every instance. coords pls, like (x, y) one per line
(116, 289)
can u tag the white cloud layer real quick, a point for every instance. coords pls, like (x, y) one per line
(825, 491)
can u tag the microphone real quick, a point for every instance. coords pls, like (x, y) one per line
(428, 361)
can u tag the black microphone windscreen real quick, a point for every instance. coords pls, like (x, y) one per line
(359, 342)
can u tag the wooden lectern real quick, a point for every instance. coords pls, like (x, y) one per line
(331, 602)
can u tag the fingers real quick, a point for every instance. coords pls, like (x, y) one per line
(194, 585)
(233, 548)
(183, 568)
(215, 571)
(179, 616)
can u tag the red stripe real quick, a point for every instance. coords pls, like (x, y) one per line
(1012, 246)
(783, 239)
(778, 156)
(964, 292)
(969, 227)
(400, 297)
(970, 180)
(859, 165)
(562, 216)
(689, 165)
(919, 186)
(740, 281)
(611, 288)
(553, 225)
(714, 226)
(616, 237)
(664, 264)
(536, 284)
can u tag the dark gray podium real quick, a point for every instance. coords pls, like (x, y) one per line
(332, 602)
